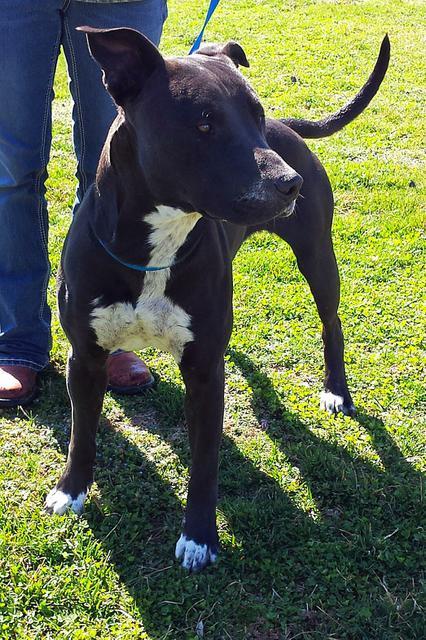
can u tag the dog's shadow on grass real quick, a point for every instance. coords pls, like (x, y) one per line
(271, 543)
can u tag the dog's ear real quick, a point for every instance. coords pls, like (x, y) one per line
(231, 49)
(127, 59)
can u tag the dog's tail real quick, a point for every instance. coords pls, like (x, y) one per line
(335, 122)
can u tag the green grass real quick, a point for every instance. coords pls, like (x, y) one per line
(322, 520)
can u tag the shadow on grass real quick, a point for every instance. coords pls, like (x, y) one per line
(350, 570)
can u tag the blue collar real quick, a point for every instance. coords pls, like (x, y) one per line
(139, 267)
(129, 265)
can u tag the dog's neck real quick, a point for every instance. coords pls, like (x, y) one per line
(136, 228)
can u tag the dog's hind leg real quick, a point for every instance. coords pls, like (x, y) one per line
(86, 381)
(319, 267)
(317, 263)
(204, 402)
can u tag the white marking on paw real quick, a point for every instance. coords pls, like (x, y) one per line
(59, 502)
(195, 556)
(334, 403)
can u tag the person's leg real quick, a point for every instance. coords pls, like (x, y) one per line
(93, 113)
(29, 46)
(94, 110)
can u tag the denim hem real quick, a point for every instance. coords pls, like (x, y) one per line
(7, 362)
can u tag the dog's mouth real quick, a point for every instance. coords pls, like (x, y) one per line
(245, 215)
(258, 212)
(288, 211)
(251, 212)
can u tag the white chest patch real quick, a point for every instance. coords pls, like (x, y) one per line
(155, 321)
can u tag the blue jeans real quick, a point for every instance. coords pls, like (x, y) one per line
(31, 34)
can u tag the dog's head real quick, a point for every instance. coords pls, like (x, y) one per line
(200, 128)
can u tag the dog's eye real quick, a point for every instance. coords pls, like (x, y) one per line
(204, 127)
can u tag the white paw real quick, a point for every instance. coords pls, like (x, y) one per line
(334, 403)
(195, 556)
(58, 502)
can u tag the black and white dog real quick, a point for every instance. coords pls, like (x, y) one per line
(190, 169)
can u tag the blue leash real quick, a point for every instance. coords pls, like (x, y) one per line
(210, 12)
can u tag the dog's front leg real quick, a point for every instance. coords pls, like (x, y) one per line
(198, 544)
(86, 382)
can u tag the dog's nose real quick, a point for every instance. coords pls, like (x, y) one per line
(289, 187)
